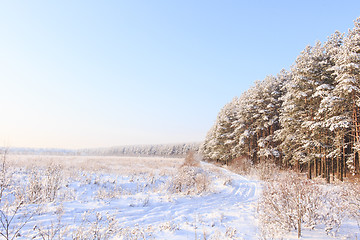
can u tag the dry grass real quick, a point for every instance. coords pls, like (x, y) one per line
(105, 164)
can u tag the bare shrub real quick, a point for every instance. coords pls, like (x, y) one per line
(265, 170)
(190, 177)
(53, 180)
(353, 196)
(241, 165)
(169, 226)
(14, 212)
(292, 202)
(5, 175)
(54, 230)
(35, 188)
(190, 180)
(281, 207)
(44, 185)
(106, 193)
(191, 160)
(14, 215)
(96, 226)
(136, 232)
(230, 232)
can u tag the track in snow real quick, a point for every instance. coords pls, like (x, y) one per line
(233, 206)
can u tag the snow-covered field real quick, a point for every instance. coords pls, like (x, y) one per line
(132, 198)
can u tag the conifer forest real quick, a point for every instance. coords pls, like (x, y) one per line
(306, 118)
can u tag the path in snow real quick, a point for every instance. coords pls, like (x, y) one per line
(232, 205)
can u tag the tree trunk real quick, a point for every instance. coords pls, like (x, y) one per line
(299, 228)
(356, 134)
(323, 169)
(333, 169)
(338, 166)
(356, 160)
(327, 160)
(320, 167)
(342, 168)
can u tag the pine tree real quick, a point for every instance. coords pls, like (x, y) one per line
(347, 93)
(327, 137)
(221, 139)
(248, 129)
(296, 113)
(268, 121)
(242, 126)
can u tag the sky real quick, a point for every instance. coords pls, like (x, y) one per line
(83, 74)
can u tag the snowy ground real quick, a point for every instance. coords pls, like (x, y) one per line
(131, 198)
(138, 202)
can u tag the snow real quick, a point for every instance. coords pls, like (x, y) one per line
(138, 203)
(141, 203)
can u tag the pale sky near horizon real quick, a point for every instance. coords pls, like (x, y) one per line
(77, 74)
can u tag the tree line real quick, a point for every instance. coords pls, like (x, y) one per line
(160, 150)
(164, 150)
(306, 118)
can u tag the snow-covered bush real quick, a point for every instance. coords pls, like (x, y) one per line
(191, 160)
(353, 196)
(54, 229)
(265, 170)
(44, 185)
(107, 193)
(5, 175)
(34, 187)
(135, 232)
(14, 212)
(96, 226)
(241, 165)
(190, 177)
(168, 226)
(335, 208)
(291, 202)
(281, 207)
(53, 180)
(190, 180)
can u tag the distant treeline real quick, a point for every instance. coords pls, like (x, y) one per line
(39, 151)
(170, 150)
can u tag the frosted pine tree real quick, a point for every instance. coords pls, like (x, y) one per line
(328, 136)
(296, 115)
(268, 120)
(208, 146)
(247, 127)
(221, 139)
(347, 94)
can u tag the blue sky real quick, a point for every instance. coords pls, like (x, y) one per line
(77, 74)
